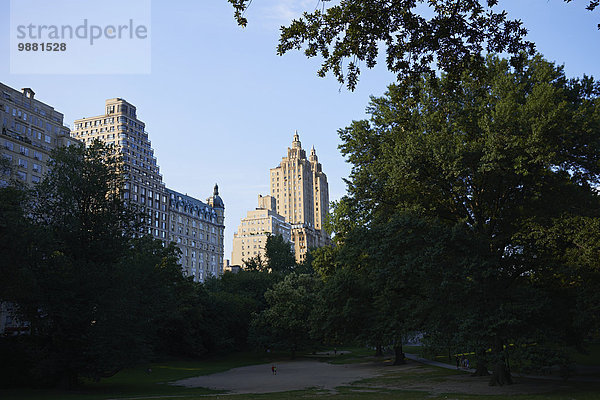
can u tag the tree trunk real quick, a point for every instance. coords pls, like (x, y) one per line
(481, 368)
(399, 355)
(68, 380)
(501, 375)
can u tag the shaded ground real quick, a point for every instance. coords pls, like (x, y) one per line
(416, 376)
(304, 374)
(291, 375)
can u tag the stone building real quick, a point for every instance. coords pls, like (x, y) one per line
(30, 130)
(252, 233)
(120, 128)
(197, 228)
(301, 191)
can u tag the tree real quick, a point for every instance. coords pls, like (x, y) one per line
(255, 264)
(500, 153)
(231, 302)
(96, 298)
(16, 236)
(286, 321)
(346, 310)
(351, 33)
(279, 257)
(279, 254)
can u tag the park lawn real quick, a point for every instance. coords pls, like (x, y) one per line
(139, 384)
(593, 358)
(136, 382)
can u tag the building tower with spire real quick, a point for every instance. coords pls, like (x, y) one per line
(300, 189)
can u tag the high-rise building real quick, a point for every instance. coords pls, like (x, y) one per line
(30, 130)
(119, 127)
(301, 191)
(196, 227)
(251, 237)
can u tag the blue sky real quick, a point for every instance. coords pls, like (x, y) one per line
(221, 107)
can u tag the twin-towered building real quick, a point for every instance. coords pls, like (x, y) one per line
(298, 204)
(296, 208)
(301, 191)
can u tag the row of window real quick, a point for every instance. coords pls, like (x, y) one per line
(23, 177)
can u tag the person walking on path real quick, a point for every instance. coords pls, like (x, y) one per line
(274, 369)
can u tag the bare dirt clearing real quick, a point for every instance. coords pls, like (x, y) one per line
(304, 374)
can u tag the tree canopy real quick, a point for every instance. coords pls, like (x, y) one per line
(502, 164)
(95, 298)
(416, 35)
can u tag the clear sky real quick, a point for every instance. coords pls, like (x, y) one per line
(221, 107)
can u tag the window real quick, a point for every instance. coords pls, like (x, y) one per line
(22, 163)
(35, 179)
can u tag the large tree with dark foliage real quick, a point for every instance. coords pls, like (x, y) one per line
(96, 299)
(286, 322)
(510, 156)
(416, 35)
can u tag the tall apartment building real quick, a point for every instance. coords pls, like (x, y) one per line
(250, 239)
(198, 229)
(30, 130)
(168, 215)
(119, 127)
(301, 191)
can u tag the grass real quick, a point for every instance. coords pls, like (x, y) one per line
(136, 382)
(593, 358)
(139, 384)
(590, 359)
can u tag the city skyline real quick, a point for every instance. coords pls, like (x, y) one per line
(221, 85)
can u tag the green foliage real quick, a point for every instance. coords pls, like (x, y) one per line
(16, 239)
(279, 257)
(480, 213)
(279, 254)
(255, 264)
(451, 36)
(96, 299)
(286, 321)
(231, 302)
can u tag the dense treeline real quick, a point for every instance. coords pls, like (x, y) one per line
(93, 298)
(472, 217)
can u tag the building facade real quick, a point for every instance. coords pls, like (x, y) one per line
(30, 131)
(196, 227)
(120, 128)
(198, 230)
(251, 237)
(301, 191)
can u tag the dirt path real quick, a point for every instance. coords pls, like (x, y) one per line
(292, 375)
(298, 375)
